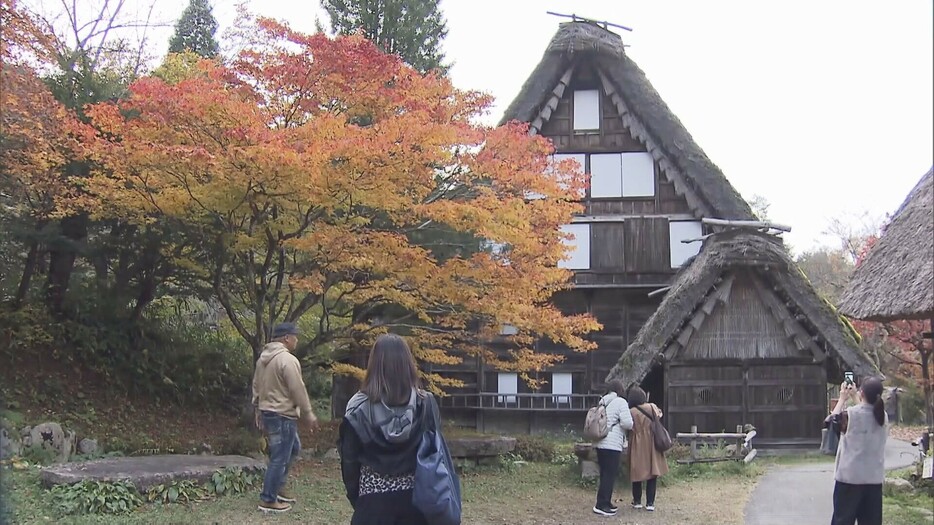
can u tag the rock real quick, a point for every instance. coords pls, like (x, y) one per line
(589, 469)
(730, 450)
(69, 444)
(47, 435)
(146, 471)
(26, 436)
(10, 445)
(480, 446)
(332, 455)
(898, 484)
(88, 447)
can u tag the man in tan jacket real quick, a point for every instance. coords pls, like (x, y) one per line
(280, 401)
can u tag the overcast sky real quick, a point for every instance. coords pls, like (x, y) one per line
(824, 108)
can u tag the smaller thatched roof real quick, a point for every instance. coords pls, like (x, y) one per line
(896, 279)
(640, 107)
(768, 258)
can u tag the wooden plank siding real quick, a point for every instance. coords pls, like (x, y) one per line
(647, 246)
(607, 246)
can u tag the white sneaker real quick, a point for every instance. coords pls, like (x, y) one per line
(650, 508)
(636, 505)
(597, 510)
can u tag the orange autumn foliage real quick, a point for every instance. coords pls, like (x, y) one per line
(311, 168)
(34, 126)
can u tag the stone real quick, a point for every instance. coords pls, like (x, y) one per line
(47, 435)
(88, 447)
(898, 484)
(332, 455)
(480, 446)
(10, 445)
(26, 436)
(146, 471)
(589, 469)
(69, 445)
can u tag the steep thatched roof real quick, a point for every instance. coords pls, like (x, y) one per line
(814, 322)
(641, 108)
(896, 279)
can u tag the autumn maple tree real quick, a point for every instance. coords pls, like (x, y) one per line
(309, 170)
(904, 342)
(35, 142)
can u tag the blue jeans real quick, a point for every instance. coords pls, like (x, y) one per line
(284, 446)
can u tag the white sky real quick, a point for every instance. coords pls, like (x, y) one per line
(824, 108)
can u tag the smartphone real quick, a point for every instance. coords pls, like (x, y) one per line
(848, 378)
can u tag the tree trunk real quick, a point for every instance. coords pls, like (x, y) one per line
(62, 260)
(29, 270)
(928, 389)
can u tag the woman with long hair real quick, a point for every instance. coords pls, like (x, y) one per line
(610, 448)
(646, 463)
(860, 464)
(380, 434)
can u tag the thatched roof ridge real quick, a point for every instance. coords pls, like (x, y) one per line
(576, 41)
(896, 279)
(769, 258)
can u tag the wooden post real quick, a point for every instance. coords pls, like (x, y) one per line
(739, 441)
(694, 443)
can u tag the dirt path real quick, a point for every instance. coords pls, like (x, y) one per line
(803, 494)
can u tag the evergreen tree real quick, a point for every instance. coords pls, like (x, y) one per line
(195, 30)
(410, 29)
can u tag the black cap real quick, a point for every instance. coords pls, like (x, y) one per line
(284, 329)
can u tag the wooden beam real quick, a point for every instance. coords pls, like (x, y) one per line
(746, 224)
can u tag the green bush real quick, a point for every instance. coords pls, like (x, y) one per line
(232, 480)
(534, 448)
(96, 497)
(39, 455)
(178, 491)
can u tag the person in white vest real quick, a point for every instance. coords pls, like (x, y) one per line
(610, 448)
(860, 464)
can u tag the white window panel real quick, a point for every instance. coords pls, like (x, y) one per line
(507, 383)
(679, 231)
(638, 174)
(578, 258)
(606, 175)
(559, 157)
(561, 383)
(587, 109)
(508, 329)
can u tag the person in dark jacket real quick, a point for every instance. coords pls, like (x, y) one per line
(379, 437)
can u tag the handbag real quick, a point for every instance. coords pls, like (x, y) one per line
(660, 435)
(437, 490)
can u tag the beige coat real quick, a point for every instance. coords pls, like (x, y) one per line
(278, 386)
(644, 461)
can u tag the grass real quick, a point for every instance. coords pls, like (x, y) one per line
(529, 493)
(907, 508)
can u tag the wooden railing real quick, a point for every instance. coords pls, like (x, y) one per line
(530, 402)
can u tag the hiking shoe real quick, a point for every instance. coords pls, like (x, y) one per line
(650, 508)
(636, 505)
(285, 496)
(604, 512)
(274, 506)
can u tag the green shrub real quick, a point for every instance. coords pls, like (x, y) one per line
(232, 480)
(178, 491)
(96, 497)
(37, 454)
(534, 448)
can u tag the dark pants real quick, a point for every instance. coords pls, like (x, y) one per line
(649, 491)
(388, 508)
(857, 504)
(608, 460)
(284, 446)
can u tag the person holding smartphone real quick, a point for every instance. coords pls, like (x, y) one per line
(860, 464)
